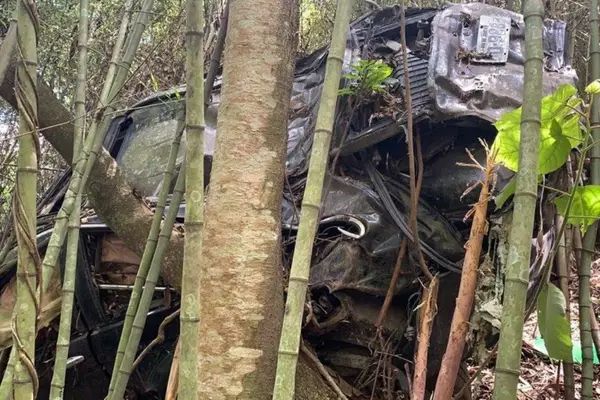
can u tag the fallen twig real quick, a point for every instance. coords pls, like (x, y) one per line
(392, 287)
(323, 371)
(468, 285)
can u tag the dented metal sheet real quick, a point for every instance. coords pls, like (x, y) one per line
(463, 84)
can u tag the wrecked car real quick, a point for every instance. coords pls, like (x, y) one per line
(465, 70)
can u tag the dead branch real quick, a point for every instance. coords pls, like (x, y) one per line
(468, 285)
(428, 312)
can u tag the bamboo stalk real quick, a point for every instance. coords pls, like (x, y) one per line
(68, 283)
(428, 312)
(6, 51)
(149, 250)
(563, 275)
(589, 239)
(91, 146)
(311, 205)
(517, 272)
(137, 327)
(26, 306)
(194, 208)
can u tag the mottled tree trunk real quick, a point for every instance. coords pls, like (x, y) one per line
(241, 286)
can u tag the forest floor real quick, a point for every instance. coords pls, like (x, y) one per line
(538, 380)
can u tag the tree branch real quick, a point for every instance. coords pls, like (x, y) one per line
(107, 189)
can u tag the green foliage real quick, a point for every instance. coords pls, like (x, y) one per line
(585, 209)
(560, 132)
(367, 77)
(554, 325)
(594, 87)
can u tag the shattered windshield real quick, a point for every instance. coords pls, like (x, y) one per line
(144, 154)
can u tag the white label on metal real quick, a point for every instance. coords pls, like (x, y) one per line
(493, 40)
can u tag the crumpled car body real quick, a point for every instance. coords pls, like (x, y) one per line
(460, 82)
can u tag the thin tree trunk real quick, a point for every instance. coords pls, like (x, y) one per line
(517, 270)
(563, 275)
(240, 275)
(8, 46)
(589, 239)
(26, 306)
(311, 205)
(215, 59)
(194, 208)
(68, 282)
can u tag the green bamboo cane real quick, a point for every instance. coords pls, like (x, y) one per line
(76, 183)
(137, 328)
(5, 54)
(194, 207)
(311, 205)
(131, 310)
(26, 307)
(86, 158)
(68, 282)
(517, 270)
(562, 266)
(142, 272)
(589, 239)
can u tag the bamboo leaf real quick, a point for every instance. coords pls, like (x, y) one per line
(585, 209)
(554, 326)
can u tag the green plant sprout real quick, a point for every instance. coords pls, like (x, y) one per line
(368, 77)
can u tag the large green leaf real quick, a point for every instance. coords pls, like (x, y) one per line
(560, 131)
(554, 326)
(585, 209)
(554, 148)
(555, 105)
